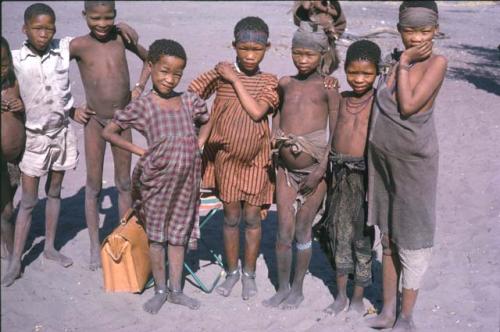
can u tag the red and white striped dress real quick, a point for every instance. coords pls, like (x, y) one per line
(236, 157)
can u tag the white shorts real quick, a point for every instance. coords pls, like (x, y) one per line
(55, 151)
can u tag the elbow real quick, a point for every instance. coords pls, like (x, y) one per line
(407, 110)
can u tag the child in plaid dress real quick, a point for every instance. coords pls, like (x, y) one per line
(168, 174)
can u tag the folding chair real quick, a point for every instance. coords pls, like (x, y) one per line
(211, 204)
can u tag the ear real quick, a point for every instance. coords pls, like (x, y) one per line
(84, 13)
(268, 45)
(24, 29)
(234, 44)
(114, 13)
(150, 66)
(399, 27)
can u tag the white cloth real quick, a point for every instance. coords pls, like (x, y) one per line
(43, 153)
(44, 85)
(414, 264)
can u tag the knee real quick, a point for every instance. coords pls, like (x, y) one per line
(123, 184)
(284, 239)
(231, 220)
(53, 192)
(303, 234)
(28, 202)
(252, 220)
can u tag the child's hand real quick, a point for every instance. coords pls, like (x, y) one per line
(12, 105)
(226, 71)
(127, 33)
(83, 114)
(136, 91)
(331, 82)
(416, 53)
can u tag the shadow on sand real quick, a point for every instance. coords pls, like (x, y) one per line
(71, 222)
(319, 267)
(483, 71)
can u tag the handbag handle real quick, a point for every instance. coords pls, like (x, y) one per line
(127, 216)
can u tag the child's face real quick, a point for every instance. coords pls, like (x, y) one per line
(412, 37)
(100, 20)
(361, 75)
(40, 30)
(250, 54)
(305, 60)
(5, 63)
(166, 73)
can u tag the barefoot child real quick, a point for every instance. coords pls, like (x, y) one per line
(328, 16)
(347, 230)
(13, 139)
(403, 162)
(238, 146)
(301, 136)
(42, 69)
(103, 67)
(169, 171)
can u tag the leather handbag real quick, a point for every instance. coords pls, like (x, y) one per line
(125, 258)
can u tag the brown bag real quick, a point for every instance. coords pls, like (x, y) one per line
(125, 258)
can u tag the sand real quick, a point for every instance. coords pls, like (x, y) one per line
(461, 289)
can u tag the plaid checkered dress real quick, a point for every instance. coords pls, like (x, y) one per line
(167, 177)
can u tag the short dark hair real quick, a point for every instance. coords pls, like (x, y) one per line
(363, 50)
(38, 9)
(165, 47)
(421, 4)
(88, 5)
(11, 76)
(251, 23)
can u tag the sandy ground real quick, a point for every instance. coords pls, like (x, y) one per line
(461, 289)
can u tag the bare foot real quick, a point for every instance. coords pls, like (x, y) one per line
(249, 285)
(178, 297)
(227, 286)
(154, 304)
(292, 301)
(404, 325)
(276, 299)
(56, 256)
(95, 260)
(382, 321)
(340, 304)
(13, 272)
(357, 306)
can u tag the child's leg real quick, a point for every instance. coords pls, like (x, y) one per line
(253, 234)
(122, 160)
(175, 264)
(285, 197)
(232, 215)
(157, 256)
(52, 209)
(94, 158)
(303, 230)
(28, 202)
(414, 264)
(390, 273)
(7, 228)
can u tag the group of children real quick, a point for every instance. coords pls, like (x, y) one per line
(365, 142)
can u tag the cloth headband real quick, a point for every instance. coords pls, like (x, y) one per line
(259, 37)
(306, 37)
(418, 17)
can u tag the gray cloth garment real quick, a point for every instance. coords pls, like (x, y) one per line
(314, 144)
(402, 167)
(416, 17)
(310, 37)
